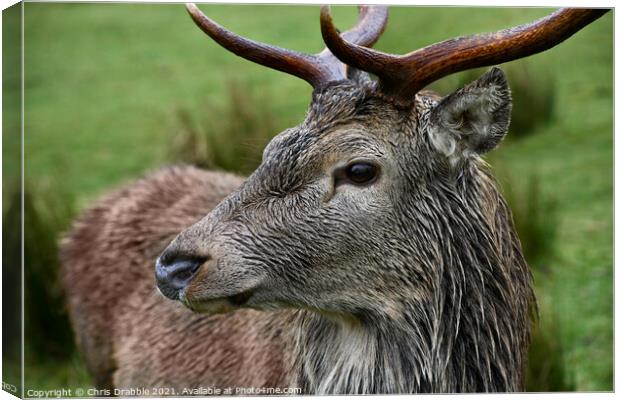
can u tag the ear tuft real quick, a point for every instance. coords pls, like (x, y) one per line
(473, 119)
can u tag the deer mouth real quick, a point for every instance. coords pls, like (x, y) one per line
(217, 305)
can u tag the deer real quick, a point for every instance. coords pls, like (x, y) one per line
(370, 252)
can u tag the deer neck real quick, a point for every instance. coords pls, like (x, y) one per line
(333, 356)
(470, 336)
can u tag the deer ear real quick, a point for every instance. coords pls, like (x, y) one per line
(474, 119)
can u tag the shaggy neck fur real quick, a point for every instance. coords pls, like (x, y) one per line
(470, 336)
(346, 357)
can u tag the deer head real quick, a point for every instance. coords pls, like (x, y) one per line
(379, 201)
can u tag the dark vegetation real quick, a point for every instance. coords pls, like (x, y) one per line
(47, 213)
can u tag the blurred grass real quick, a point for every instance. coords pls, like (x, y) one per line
(47, 213)
(534, 212)
(105, 83)
(205, 140)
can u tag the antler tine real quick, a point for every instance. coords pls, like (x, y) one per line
(304, 66)
(403, 76)
(347, 51)
(315, 69)
(371, 22)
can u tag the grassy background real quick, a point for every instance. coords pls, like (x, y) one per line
(110, 89)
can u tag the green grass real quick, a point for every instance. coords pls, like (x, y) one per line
(104, 83)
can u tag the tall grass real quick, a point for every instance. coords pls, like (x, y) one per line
(49, 347)
(229, 137)
(11, 274)
(548, 369)
(535, 217)
(47, 212)
(533, 94)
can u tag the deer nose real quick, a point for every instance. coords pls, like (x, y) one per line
(173, 274)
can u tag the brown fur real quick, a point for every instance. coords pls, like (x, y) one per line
(125, 329)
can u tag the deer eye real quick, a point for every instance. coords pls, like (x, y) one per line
(360, 173)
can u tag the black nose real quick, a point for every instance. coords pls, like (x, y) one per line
(174, 273)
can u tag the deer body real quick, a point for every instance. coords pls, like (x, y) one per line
(370, 252)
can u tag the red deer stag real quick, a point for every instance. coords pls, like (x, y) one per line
(370, 252)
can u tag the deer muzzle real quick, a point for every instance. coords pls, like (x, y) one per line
(173, 274)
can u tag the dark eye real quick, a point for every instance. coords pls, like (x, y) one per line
(361, 173)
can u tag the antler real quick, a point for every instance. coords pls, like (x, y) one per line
(403, 76)
(316, 69)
